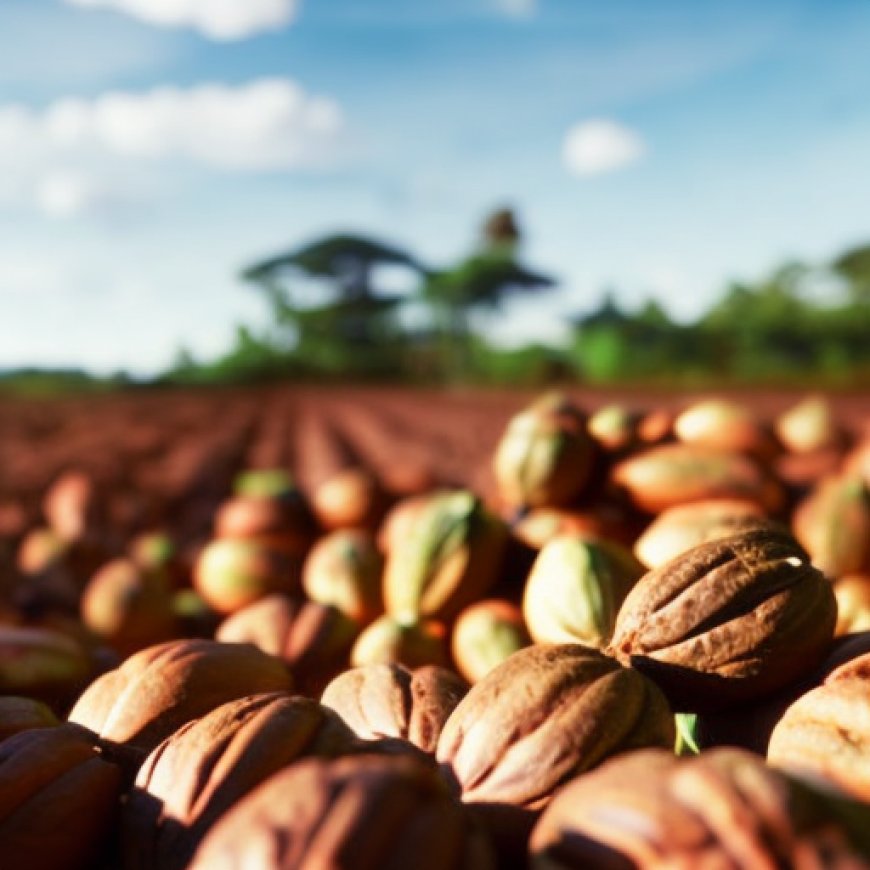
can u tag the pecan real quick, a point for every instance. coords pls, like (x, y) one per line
(730, 620)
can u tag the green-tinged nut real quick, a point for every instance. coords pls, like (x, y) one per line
(387, 641)
(810, 425)
(154, 550)
(34, 661)
(449, 558)
(344, 569)
(264, 483)
(833, 526)
(230, 574)
(545, 455)
(575, 590)
(614, 427)
(485, 635)
(22, 714)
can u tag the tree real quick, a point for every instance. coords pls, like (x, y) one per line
(482, 280)
(854, 267)
(348, 323)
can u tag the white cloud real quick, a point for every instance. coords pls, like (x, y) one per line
(600, 145)
(518, 8)
(75, 154)
(222, 20)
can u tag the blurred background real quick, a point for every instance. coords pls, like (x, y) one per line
(484, 191)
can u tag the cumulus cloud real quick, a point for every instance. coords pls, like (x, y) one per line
(599, 145)
(74, 152)
(222, 20)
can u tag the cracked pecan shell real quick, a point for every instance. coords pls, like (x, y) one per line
(543, 716)
(731, 620)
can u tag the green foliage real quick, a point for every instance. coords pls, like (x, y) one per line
(772, 330)
(36, 383)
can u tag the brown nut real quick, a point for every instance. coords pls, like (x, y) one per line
(313, 639)
(724, 808)
(157, 690)
(128, 607)
(543, 716)
(826, 733)
(672, 474)
(362, 812)
(682, 527)
(209, 764)
(392, 701)
(729, 621)
(58, 799)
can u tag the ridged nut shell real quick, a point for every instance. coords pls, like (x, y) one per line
(355, 813)
(546, 715)
(58, 799)
(731, 620)
(722, 809)
(157, 690)
(208, 765)
(314, 640)
(392, 701)
(826, 733)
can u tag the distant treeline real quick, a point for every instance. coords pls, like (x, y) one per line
(333, 319)
(350, 308)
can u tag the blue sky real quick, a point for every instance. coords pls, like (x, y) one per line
(149, 149)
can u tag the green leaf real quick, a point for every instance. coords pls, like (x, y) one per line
(687, 734)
